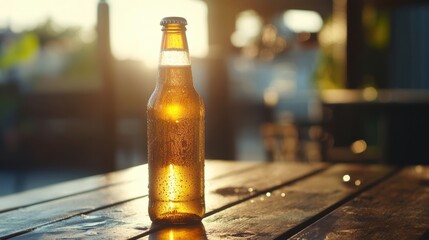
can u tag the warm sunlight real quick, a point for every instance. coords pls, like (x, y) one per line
(135, 29)
(303, 20)
(172, 184)
(173, 111)
(136, 33)
(21, 14)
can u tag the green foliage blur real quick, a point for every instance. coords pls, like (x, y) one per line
(49, 57)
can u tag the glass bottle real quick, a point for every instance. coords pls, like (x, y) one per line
(175, 134)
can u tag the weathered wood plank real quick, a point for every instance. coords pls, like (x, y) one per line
(65, 189)
(68, 188)
(131, 218)
(284, 210)
(220, 168)
(27, 218)
(396, 209)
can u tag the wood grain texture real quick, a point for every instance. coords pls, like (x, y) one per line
(131, 218)
(395, 209)
(92, 183)
(68, 188)
(27, 218)
(284, 210)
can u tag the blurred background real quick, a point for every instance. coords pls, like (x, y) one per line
(282, 80)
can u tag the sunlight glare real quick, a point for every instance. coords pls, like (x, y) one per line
(303, 20)
(136, 32)
(172, 184)
(173, 111)
(21, 15)
(247, 27)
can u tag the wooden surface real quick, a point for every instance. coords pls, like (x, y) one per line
(244, 200)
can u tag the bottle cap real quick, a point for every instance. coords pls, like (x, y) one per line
(173, 20)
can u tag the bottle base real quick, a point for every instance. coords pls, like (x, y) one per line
(175, 218)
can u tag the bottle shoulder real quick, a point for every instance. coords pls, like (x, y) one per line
(165, 97)
(175, 93)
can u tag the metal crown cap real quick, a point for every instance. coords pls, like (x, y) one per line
(173, 20)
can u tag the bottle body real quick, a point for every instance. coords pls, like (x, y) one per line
(175, 146)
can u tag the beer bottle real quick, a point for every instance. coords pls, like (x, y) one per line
(175, 134)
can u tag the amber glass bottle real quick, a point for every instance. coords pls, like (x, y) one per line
(175, 134)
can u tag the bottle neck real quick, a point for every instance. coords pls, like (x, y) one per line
(174, 62)
(174, 47)
(174, 37)
(177, 76)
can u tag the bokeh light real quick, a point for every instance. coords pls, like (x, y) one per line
(303, 21)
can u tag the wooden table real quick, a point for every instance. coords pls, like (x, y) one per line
(244, 200)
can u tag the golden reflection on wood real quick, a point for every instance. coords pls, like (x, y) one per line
(194, 232)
